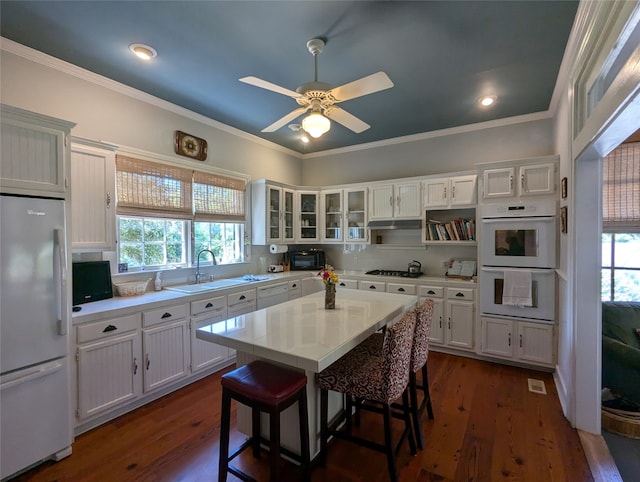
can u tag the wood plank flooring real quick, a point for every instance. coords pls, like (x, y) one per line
(487, 427)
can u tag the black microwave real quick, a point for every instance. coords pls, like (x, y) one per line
(91, 281)
(307, 259)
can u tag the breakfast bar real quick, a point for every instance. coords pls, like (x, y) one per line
(302, 334)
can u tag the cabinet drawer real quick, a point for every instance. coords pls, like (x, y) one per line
(372, 285)
(350, 284)
(107, 328)
(401, 288)
(241, 297)
(431, 291)
(460, 293)
(209, 304)
(164, 315)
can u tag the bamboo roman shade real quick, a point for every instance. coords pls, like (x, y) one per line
(621, 189)
(218, 198)
(147, 188)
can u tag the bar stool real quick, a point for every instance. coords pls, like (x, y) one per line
(268, 388)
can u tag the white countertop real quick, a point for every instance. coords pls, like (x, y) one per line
(303, 334)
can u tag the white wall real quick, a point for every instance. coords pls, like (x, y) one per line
(106, 115)
(432, 155)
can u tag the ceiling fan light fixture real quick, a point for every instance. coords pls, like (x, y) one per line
(142, 51)
(487, 100)
(315, 124)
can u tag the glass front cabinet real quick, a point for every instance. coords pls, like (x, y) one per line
(333, 216)
(307, 229)
(356, 215)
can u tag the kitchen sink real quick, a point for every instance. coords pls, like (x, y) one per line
(209, 286)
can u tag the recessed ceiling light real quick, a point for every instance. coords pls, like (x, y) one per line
(143, 51)
(487, 100)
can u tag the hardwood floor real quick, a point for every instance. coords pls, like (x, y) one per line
(487, 427)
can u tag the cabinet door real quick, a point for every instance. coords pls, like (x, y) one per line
(274, 214)
(333, 217)
(408, 202)
(92, 198)
(497, 337)
(436, 335)
(33, 152)
(381, 202)
(204, 353)
(166, 349)
(537, 179)
(536, 342)
(498, 182)
(460, 324)
(109, 374)
(308, 216)
(355, 215)
(463, 190)
(436, 193)
(288, 215)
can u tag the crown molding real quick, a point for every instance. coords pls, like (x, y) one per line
(83, 74)
(479, 126)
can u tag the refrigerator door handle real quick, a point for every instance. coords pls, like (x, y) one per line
(30, 374)
(60, 278)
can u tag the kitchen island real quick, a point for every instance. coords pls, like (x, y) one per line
(302, 334)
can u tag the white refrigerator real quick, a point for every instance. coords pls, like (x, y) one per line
(35, 409)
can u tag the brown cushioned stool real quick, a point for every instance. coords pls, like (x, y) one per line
(268, 388)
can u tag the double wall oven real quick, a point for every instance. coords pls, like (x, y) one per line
(518, 258)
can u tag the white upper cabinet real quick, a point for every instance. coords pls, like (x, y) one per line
(93, 198)
(34, 153)
(333, 216)
(355, 223)
(273, 213)
(399, 200)
(307, 204)
(450, 192)
(526, 180)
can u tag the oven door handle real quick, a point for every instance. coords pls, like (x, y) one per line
(519, 219)
(531, 270)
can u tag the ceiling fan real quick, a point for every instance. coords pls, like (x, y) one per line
(321, 99)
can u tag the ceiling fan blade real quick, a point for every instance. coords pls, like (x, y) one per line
(366, 85)
(263, 84)
(348, 120)
(286, 119)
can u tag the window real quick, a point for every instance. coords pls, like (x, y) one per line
(226, 240)
(163, 208)
(621, 224)
(621, 267)
(152, 242)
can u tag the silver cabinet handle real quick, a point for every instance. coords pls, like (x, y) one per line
(108, 200)
(509, 339)
(148, 362)
(520, 341)
(135, 365)
(444, 193)
(522, 181)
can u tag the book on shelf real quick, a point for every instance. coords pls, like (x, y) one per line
(455, 230)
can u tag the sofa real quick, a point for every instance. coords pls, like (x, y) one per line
(621, 348)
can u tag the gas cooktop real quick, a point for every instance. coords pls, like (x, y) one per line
(391, 272)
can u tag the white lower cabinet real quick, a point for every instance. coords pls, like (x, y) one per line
(372, 286)
(453, 315)
(205, 312)
(166, 354)
(109, 357)
(525, 341)
(347, 284)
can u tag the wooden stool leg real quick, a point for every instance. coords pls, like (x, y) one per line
(255, 432)
(391, 460)
(406, 410)
(415, 413)
(274, 443)
(304, 436)
(223, 460)
(425, 387)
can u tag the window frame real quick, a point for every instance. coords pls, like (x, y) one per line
(612, 267)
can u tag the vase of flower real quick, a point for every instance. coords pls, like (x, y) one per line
(330, 279)
(330, 297)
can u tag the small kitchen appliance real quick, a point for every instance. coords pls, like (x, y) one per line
(307, 259)
(414, 267)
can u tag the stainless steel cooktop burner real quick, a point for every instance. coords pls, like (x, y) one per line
(391, 272)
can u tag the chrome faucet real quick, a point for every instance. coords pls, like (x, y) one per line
(198, 273)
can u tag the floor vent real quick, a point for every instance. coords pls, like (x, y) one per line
(536, 386)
